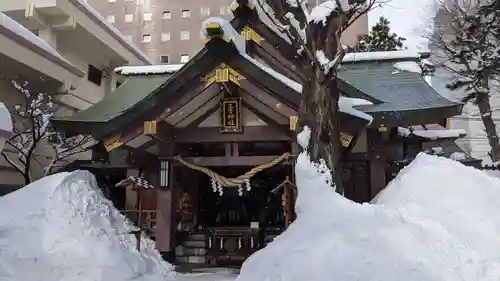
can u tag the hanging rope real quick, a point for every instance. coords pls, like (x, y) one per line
(238, 181)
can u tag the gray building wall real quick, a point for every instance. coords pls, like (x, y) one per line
(156, 26)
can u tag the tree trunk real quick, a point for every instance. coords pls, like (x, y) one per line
(318, 111)
(483, 103)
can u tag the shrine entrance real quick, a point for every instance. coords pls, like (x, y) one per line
(236, 222)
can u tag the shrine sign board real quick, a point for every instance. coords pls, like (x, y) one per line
(231, 115)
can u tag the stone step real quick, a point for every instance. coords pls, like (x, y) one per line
(192, 260)
(183, 251)
(194, 244)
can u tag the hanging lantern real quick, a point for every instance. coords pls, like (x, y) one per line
(5, 125)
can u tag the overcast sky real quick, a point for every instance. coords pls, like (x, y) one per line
(409, 19)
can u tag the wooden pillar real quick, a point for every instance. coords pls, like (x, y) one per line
(377, 162)
(130, 193)
(165, 204)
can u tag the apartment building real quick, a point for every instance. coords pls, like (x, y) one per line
(64, 48)
(168, 31)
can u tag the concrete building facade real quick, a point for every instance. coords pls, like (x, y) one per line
(62, 48)
(169, 31)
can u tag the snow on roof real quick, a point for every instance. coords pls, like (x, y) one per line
(228, 30)
(409, 66)
(345, 104)
(380, 56)
(321, 12)
(148, 69)
(61, 227)
(432, 133)
(26, 34)
(86, 8)
(334, 238)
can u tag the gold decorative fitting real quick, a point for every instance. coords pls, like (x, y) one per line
(293, 123)
(223, 74)
(150, 128)
(112, 143)
(250, 35)
(345, 139)
(382, 129)
(448, 123)
(235, 6)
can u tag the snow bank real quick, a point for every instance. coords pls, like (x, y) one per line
(336, 239)
(408, 66)
(462, 199)
(62, 228)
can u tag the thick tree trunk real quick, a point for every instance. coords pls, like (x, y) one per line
(318, 111)
(483, 103)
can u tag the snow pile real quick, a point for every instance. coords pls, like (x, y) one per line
(62, 228)
(148, 69)
(466, 202)
(336, 239)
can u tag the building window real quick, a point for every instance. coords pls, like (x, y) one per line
(185, 13)
(129, 18)
(184, 35)
(94, 75)
(222, 10)
(184, 58)
(146, 38)
(205, 12)
(148, 16)
(165, 36)
(110, 18)
(164, 59)
(166, 15)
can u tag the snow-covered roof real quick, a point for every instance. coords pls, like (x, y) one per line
(27, 35)
(228, 30)
(100, 20)
(409, 66)
(148, 69)
(431, 132)
(380, 56)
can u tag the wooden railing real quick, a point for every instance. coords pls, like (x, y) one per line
(230, 245)
(147, 219)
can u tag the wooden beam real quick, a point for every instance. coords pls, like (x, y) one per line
(231, 161)
(213, 134)
(273, 57)
(280, 106)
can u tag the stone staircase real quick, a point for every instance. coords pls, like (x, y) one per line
(192, 250)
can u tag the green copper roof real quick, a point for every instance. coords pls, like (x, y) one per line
(132, 91)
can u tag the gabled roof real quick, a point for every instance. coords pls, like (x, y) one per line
(398, 96)
(159, 89)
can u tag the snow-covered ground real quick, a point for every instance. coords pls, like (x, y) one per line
(62, 228)
(434, 222)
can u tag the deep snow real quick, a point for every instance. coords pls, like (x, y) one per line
(62, 228)
(336, 239)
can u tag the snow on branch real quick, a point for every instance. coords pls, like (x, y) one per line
(33, 138)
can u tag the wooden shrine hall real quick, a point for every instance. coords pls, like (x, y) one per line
(216, 138)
